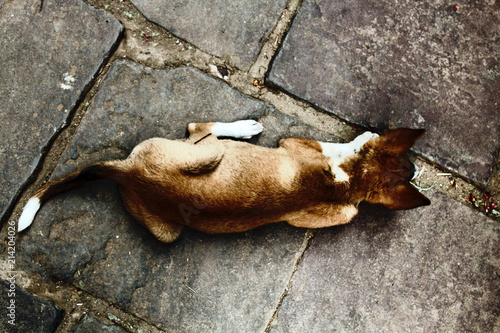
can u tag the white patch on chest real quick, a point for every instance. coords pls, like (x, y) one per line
(339, 152)
(340, 174)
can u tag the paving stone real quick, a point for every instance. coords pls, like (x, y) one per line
(48, 58)
(31, 313)
(221, 283)
(432, 269)
(91, 324)
(235, 30)
(407, 64)
(137, 103)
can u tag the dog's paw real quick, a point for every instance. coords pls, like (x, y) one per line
(241, 129)
(245, 129)
(365, 137)
(360, 140)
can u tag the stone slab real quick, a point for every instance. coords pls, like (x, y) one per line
(235, 30)
(432, 269)
(48, 58)
(92, 324)
(31, 313)
(200, 283)
(419, 64)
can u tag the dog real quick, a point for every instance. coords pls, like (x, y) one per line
(225, 186)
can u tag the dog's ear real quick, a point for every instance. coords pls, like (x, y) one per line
(400, 140)
(402, 196)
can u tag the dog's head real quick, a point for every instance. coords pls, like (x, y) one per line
(383, 170)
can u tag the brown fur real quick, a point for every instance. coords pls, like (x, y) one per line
(224, 186)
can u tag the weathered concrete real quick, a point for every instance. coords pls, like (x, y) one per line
(199, 283)
(136, 103)
(234, 30)
(92, 324)
(406, 64)
(31, 313)
(435, 269)
(385, 272)
(48, 58)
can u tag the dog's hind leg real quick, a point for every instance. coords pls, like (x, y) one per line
(242, 129)
(165, 231)
(339, 151)
(159, 226)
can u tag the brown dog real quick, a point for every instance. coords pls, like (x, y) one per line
(223, 186)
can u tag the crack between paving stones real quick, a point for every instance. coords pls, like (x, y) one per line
(277, 90)
(310, 234)
(73, 282)
(123, 318)
(86, 266)
(274, 40)
(37, 172)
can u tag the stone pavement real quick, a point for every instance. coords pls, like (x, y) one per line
(87, 81)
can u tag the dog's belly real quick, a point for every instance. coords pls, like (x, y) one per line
(232, 224)
(216, 202)
(234, 207)
(249, 186)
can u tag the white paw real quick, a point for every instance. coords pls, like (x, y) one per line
(360, 140)
(241, 129)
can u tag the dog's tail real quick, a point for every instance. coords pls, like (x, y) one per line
(103, 170)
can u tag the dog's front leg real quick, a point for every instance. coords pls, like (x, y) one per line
(242, 129)
(339, 151)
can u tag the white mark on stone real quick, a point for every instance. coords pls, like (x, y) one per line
(69, 80)
(66, 86)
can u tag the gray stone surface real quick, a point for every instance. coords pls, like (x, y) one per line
(136, 103)
(234, 30)
(49, 57)
(91, 324)
(200, 283)
(434, 269)
(406, 64)
(31, 313)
